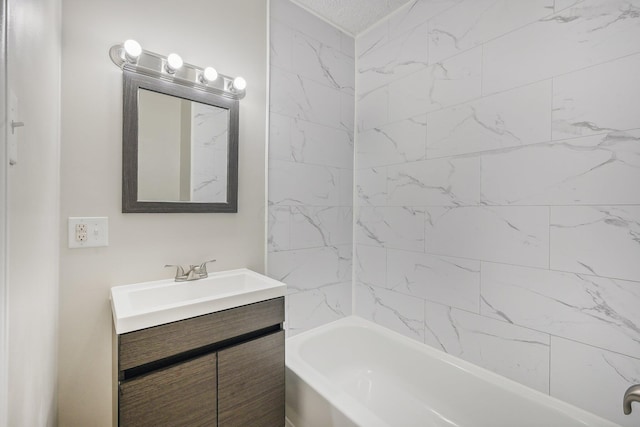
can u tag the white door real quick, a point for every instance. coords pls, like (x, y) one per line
(3, 215)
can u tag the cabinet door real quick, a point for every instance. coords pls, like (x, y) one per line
(251, 383)
(180, 395)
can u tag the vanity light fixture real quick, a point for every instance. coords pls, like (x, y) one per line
(239, 83)
(132, 51)
(208, 75)
(174, 63)
(130, 56)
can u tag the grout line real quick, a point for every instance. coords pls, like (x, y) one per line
(550, 353)
(440, 255)
(354, 192)
(480, 290)
(551, 111)
(550, 335)
(481, 69)
(511, 31)
(483, 95)
(577, 70)
(501, 150)
(322, 18)
(484, 205)
(301, 119)
(549, 264)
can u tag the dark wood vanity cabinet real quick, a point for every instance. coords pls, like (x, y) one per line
(180, 395)
(222, 369)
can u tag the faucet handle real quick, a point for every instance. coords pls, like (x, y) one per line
(203, 268)
(631, 395)
(179, 270)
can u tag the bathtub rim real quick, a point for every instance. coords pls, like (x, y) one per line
(345, 403)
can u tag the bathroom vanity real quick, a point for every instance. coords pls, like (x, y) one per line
(221, 368)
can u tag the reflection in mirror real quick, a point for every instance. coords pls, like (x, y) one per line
(182, 149)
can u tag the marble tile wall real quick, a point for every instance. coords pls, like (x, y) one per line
(311, 150)
(497, 186)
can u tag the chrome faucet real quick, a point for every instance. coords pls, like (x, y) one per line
(194, 272)
(631, 395)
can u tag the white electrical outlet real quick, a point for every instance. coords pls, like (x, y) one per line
(81, 232)
(88, 232)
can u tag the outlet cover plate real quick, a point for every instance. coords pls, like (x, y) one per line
(97, 232)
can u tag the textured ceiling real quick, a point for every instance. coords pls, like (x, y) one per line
(353, 16)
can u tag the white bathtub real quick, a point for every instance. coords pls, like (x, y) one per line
(354, 373)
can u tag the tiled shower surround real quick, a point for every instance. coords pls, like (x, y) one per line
(311, 165)
(497, 186)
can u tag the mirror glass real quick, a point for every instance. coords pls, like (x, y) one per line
(180, 148)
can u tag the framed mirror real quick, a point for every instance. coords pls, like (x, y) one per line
(180, 148)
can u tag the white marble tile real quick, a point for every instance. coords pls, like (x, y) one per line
(310, 309)
(370, 265)
(347, 112)
(209, 147)
(280, 137)
(373, 108)
(299, 19)
(580, 171)
(518, 117)
(593, 310)
(593, 379)
(398, 312)
(563, 4)
(325, 226)
(324, 64)
(279, 228)
(281, 45)
(437, 182)
(297, 184)
(410, 95)
(589, 33)
(393, 59)
(473, 22)
(440, 85)
(346, 187)
(513, 235)
(348, 45)
(301, 98)
(318, 144)
(599, 99)
(599, 240)
(371, 186)
(451, 281)
(391, 227)
(457, 79)
(514, 352)
(307, 269)
(417, 13)
(372, 38)
(398, 142)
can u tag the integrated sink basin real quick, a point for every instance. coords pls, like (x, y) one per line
(143, 305)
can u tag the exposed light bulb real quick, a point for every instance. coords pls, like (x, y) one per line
(239, 83)
(174, 63)
(209, 75)
(132, 50)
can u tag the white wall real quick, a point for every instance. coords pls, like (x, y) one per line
(497, 177)
(230, 36)
(310, 165)
(33, 211)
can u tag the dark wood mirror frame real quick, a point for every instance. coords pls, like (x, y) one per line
(130, 204)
